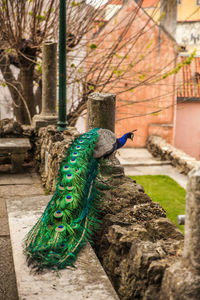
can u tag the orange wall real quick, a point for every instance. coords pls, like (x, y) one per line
(187, 133)
(187, 10)
(155, 56)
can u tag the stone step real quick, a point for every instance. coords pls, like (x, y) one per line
(144, 162)
(87, 281)
(138, 157)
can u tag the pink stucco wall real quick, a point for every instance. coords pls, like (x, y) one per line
(187, 132)
(147, 102)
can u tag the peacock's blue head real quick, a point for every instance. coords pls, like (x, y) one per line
(130, 135)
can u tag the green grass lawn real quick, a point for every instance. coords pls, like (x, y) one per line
(167, 192)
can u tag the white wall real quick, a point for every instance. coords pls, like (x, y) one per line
(188, 33)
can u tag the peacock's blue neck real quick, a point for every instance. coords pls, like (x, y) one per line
(122, 140)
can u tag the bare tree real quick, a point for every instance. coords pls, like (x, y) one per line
(95, 61)
(25, 24)
(108, 64)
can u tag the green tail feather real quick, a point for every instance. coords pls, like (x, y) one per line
(71, 216)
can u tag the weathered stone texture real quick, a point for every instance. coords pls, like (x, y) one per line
(180, 283)
(101, 111)
(192, 221)
(51, 147)
(136, 242)
(10, 128)
(182, 279)
(164, 151)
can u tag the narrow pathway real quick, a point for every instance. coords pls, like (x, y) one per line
(25, 201)
(12, 186)
(138, 161)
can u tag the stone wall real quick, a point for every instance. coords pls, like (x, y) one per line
(50, 149)
(136, 242)
(9, 128)
(164, 151)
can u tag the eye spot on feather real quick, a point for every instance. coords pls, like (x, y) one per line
(66, 168)
(70, 187)
(75, 153)
(58, 214)
(78, 147)
(73, 160)
(50, 225)
(75, 226)
(78, 170)
(68, 198)
(60, 228)
(81, 141)
(69, 176)
(61, 187)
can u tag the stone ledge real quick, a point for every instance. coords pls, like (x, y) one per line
(158, 147)
(87, 281)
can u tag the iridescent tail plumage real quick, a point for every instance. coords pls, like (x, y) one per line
(71, 216)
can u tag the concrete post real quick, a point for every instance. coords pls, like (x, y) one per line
(101, 111)
(191, 252)
(49, 62)
(49, 73)
(182, 279)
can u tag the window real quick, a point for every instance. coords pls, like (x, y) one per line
(197, 2)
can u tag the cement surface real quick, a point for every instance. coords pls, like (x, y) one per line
(8, 290)
(87, 281)
(13, 144)
(23, 178)
(139, 161)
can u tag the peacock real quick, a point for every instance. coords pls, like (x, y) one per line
(71, 216)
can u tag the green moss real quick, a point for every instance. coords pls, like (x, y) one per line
(167, 192)
(46, 192)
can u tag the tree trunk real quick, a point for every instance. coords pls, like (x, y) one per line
(26, 80)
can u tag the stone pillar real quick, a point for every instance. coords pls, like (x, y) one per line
(182, 279)
(49, 77)
(168, 11)
(192, 221)
(101, 111)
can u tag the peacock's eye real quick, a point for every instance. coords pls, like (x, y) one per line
(70, 187)
(66, 167)
(61, 187)
(60, 228)
(58, 214)
(68, 198)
